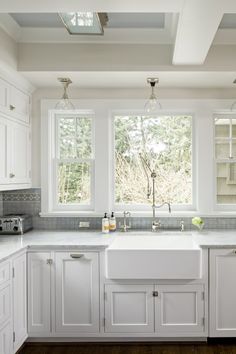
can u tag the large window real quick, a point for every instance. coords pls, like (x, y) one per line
(225, 154)
(165, 143)
(74, 161)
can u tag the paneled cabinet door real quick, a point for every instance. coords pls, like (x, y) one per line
(179, 309)
(19, 104)
(4, 151)
(129, 308)
(19, 170)
(19, 301)
(77, 292)
(4, 96)
(39, 292)
(6, 339)
(223, 293)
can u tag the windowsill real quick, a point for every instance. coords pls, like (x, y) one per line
(144, 214)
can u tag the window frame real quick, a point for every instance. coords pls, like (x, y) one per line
(53, 136)
(221, 114)
(147, 207)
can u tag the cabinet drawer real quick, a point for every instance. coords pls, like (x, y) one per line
(4, 272)
(5, 304)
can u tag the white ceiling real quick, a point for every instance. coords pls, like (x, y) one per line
(115, 20)
(134, 79)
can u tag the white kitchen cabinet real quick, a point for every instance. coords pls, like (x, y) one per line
(6, 339)
(19, 164)
(14, 102)
(39, 293)
(19, 301)
(19, 104)
(179, 309)
(129, 308)
(5, 303)
(77, 292)
(223, 293)
(15, 148)
(4, 151)
(4, 96)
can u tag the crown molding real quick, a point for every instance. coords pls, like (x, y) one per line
(9, 25)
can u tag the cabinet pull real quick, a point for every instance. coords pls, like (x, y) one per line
(75, 255)
(155, 293)
(49, 261)
(11, 175)
(12, 107)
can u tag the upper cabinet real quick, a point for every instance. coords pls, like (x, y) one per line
(19, 104)
(4, 96)
(15, 138)
(14, 102)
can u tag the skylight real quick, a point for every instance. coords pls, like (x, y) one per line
(83, 22)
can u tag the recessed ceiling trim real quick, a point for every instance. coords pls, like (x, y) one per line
(111, 35)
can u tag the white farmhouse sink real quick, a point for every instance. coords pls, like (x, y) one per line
(148, 257)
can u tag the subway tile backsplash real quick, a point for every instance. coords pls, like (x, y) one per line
(29, 201)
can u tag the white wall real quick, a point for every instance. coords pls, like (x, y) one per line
(123, 94)
(8, 50)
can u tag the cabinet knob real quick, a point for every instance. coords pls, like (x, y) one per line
(12, 107)
(155, 293)
(11, 175)
(49, 261)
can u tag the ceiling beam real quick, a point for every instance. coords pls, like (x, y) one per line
(198, 23)
(91, 5)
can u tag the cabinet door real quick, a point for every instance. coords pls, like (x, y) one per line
(4, 95)
(77, 292)
(5, 303)
(4, 152)
(19, 301)
(39, 292)
(179, 309)
(129, 309)
(20, 154)
(19, 104)
(222, 293)
(6, 339)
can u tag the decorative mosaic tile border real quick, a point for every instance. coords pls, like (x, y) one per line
(31, 195)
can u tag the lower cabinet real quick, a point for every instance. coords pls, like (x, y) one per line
(77, 292)
(223, 293)
(167, 310)
(39, 293)
(6, 339)
(19, 301)
(63, 293)
(129, 308)
(179, 309)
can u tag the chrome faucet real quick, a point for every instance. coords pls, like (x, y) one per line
(126, 226)
(156, 224)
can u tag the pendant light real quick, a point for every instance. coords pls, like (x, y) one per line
(152, 104)
(64, 102)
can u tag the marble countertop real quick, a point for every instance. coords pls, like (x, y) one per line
(36, 239)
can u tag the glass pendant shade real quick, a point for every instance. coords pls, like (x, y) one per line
(152, 105)
(64, 102)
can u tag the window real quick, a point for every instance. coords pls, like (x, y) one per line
(165, 142)
(225, 155)
(73, 161)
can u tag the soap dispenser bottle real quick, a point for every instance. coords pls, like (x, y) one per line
(105, 224)
(112, 222)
